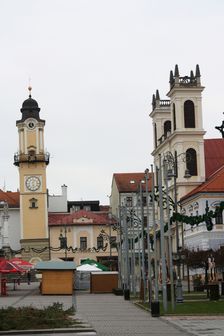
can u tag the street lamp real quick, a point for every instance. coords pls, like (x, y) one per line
(171, 164)
(148, 239)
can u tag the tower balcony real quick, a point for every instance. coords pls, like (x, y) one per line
(31, 158)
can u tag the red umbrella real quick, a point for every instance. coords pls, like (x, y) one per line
(21, 263)
(8, 267)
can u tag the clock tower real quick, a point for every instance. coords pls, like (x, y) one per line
(32, 161)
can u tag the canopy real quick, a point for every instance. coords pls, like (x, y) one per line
(8, 267)
(21, 263)
(88, 268)
(95, 263)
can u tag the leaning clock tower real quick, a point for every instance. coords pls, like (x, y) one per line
(32, 161)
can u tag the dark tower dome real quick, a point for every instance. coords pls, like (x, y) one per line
(30, 108)
(30, 104)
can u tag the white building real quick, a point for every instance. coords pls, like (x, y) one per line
(179, 141)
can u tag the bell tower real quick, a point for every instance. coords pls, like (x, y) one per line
(178, 129)
(32, 161)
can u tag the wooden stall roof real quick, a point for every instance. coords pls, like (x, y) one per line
(56, 265)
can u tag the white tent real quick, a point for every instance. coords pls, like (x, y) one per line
(88, 268)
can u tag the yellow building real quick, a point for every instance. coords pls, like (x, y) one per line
(84, 235)
(32, 160)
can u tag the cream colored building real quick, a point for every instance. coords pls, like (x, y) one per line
(86, 234)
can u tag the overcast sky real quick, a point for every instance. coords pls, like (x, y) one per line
(94, 65)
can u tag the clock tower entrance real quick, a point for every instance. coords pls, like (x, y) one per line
(32, 161)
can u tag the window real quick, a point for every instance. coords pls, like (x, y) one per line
(155, 135)
(113, 240)
(167, 128)
(174, 117)
(99, 242)
(87, 208)
(191, 163)
(75, 208)
(33, 203)
(189, 115)
(218, 218)
(83, 243)
(129, 201)
(176, 165)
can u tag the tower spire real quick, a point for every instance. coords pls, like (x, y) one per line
(153, 101)
(171, 77)
(197, 73)
(30, 89)
(176, 71)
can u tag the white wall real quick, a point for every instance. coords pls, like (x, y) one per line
(58, 203)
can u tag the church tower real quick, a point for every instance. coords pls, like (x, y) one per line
(178, 128)
(32, 161)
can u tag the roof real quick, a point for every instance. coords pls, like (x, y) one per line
(55, 265)
(129, 182)
(12, 198)
(81, 217)
(214, 169)
(214, 155)
(88, 268)
(214, 184)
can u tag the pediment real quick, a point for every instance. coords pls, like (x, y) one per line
(83, 219)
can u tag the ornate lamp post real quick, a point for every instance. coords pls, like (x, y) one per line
(171, 161)
(148, 238)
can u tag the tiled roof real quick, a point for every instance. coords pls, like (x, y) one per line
(129, 182)
(104, 208)
(81, 217)
(55, 265)
(12, 198)
(214, 155)
(214, 184)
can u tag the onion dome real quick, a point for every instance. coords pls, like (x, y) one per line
(30, 108)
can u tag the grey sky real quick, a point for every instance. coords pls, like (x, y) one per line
(94, 65)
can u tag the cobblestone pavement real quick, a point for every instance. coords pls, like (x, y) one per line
(203, 325)
(111, 315)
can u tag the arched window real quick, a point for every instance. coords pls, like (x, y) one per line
(218, 217)
(167, 128)
(189, 115)
(191, 162)
(155, 135)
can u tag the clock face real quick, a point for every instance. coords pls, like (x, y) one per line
(33, 183)
(31, 124)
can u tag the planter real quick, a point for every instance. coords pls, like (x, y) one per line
(155, 309)
(117, 291)
(213, 292)
(126, 294)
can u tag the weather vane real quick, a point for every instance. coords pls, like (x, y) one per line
(221, 128)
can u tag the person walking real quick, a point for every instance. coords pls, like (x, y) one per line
(28, 277)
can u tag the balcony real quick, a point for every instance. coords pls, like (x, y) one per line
(31, 158)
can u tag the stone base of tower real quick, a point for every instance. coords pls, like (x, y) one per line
(35, 249)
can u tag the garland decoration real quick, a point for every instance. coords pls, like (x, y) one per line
(195, 220)
(55, 249)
